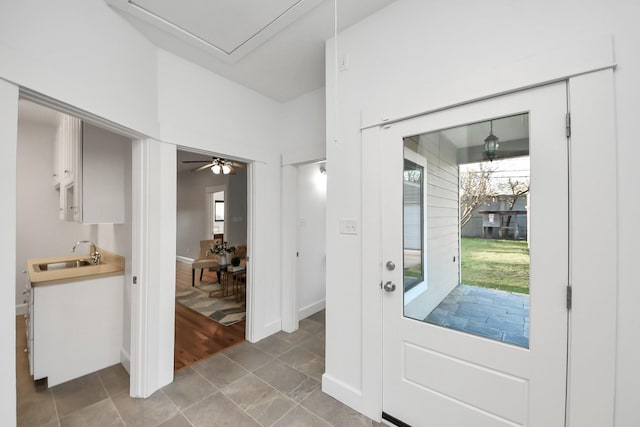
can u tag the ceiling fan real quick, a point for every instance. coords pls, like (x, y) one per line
(218, 166)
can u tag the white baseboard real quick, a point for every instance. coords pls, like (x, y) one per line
(343, 392)
(268, 330)
(125, 360)
(310, 309)
(21, 309)
(184, 259)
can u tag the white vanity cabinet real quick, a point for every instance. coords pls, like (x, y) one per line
(74, 328)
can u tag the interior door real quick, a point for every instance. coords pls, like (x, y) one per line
(439, 373)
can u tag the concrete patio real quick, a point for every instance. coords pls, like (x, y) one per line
(491, 313)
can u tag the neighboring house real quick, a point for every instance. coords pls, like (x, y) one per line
(409, 58)
(495, 219)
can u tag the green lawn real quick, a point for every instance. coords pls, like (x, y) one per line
(496, 264)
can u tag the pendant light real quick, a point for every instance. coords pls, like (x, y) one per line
(491, 145)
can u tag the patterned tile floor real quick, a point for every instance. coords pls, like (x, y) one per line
(275, 382)
(499, 315)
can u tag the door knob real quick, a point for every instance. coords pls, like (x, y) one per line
(389, 286)
(391, 266)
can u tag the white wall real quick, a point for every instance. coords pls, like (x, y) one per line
(414, 56)
(192, 209)
(224, 117)
(83, 53)
(311, 268)
(304, 128)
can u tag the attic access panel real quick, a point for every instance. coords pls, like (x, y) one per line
(228, 29)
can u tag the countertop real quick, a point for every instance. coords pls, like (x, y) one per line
(110, 265)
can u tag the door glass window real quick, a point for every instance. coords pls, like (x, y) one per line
(466, 228)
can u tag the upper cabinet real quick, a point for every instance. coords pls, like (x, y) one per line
(67, 163)
(89, 172)
(104, 158)
(66, 157)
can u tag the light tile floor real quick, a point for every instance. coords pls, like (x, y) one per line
(491, 313)
(275, 382)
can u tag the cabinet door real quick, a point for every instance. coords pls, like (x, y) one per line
(71, 139)
(104, 157)
(66, 161)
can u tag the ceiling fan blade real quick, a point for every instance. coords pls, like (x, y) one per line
(238, 165)
(196, 161)
(203, 167)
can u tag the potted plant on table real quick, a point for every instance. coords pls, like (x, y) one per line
(222, 250)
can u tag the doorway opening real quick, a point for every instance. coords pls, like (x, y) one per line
(73, 184)
(211, 248)
(311, 200)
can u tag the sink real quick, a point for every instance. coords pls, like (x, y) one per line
(62, 265)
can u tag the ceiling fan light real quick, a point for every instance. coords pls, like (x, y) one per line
(216, 169)
(226, 169)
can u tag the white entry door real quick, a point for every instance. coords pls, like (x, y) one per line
(469, 355)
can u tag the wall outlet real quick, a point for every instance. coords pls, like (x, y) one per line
(348, 226)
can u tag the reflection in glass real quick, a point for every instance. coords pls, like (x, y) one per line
(466, 217)
(413, 212)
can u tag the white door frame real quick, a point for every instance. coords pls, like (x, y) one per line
(593, 260)
(153, 266)
(289, 259)
(8, 158)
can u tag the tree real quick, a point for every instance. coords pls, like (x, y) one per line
(481, 182)
(516, 189)
(475, 188)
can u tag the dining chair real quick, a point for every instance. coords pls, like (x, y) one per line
(205, 260)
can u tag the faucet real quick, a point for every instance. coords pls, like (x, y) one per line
(95, 255)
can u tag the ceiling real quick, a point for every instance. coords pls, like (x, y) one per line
(274, 47)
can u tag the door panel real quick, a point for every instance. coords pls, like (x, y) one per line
(434, 375)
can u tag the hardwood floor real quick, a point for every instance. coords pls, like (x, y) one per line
(196, 336)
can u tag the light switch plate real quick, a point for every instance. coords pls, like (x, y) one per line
(348, 226)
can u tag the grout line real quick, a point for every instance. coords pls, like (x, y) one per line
(174, 405)
(110, 399)
(287, 412)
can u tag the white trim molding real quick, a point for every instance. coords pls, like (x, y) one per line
(288, 258)
(593, 257)
(153, 266)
